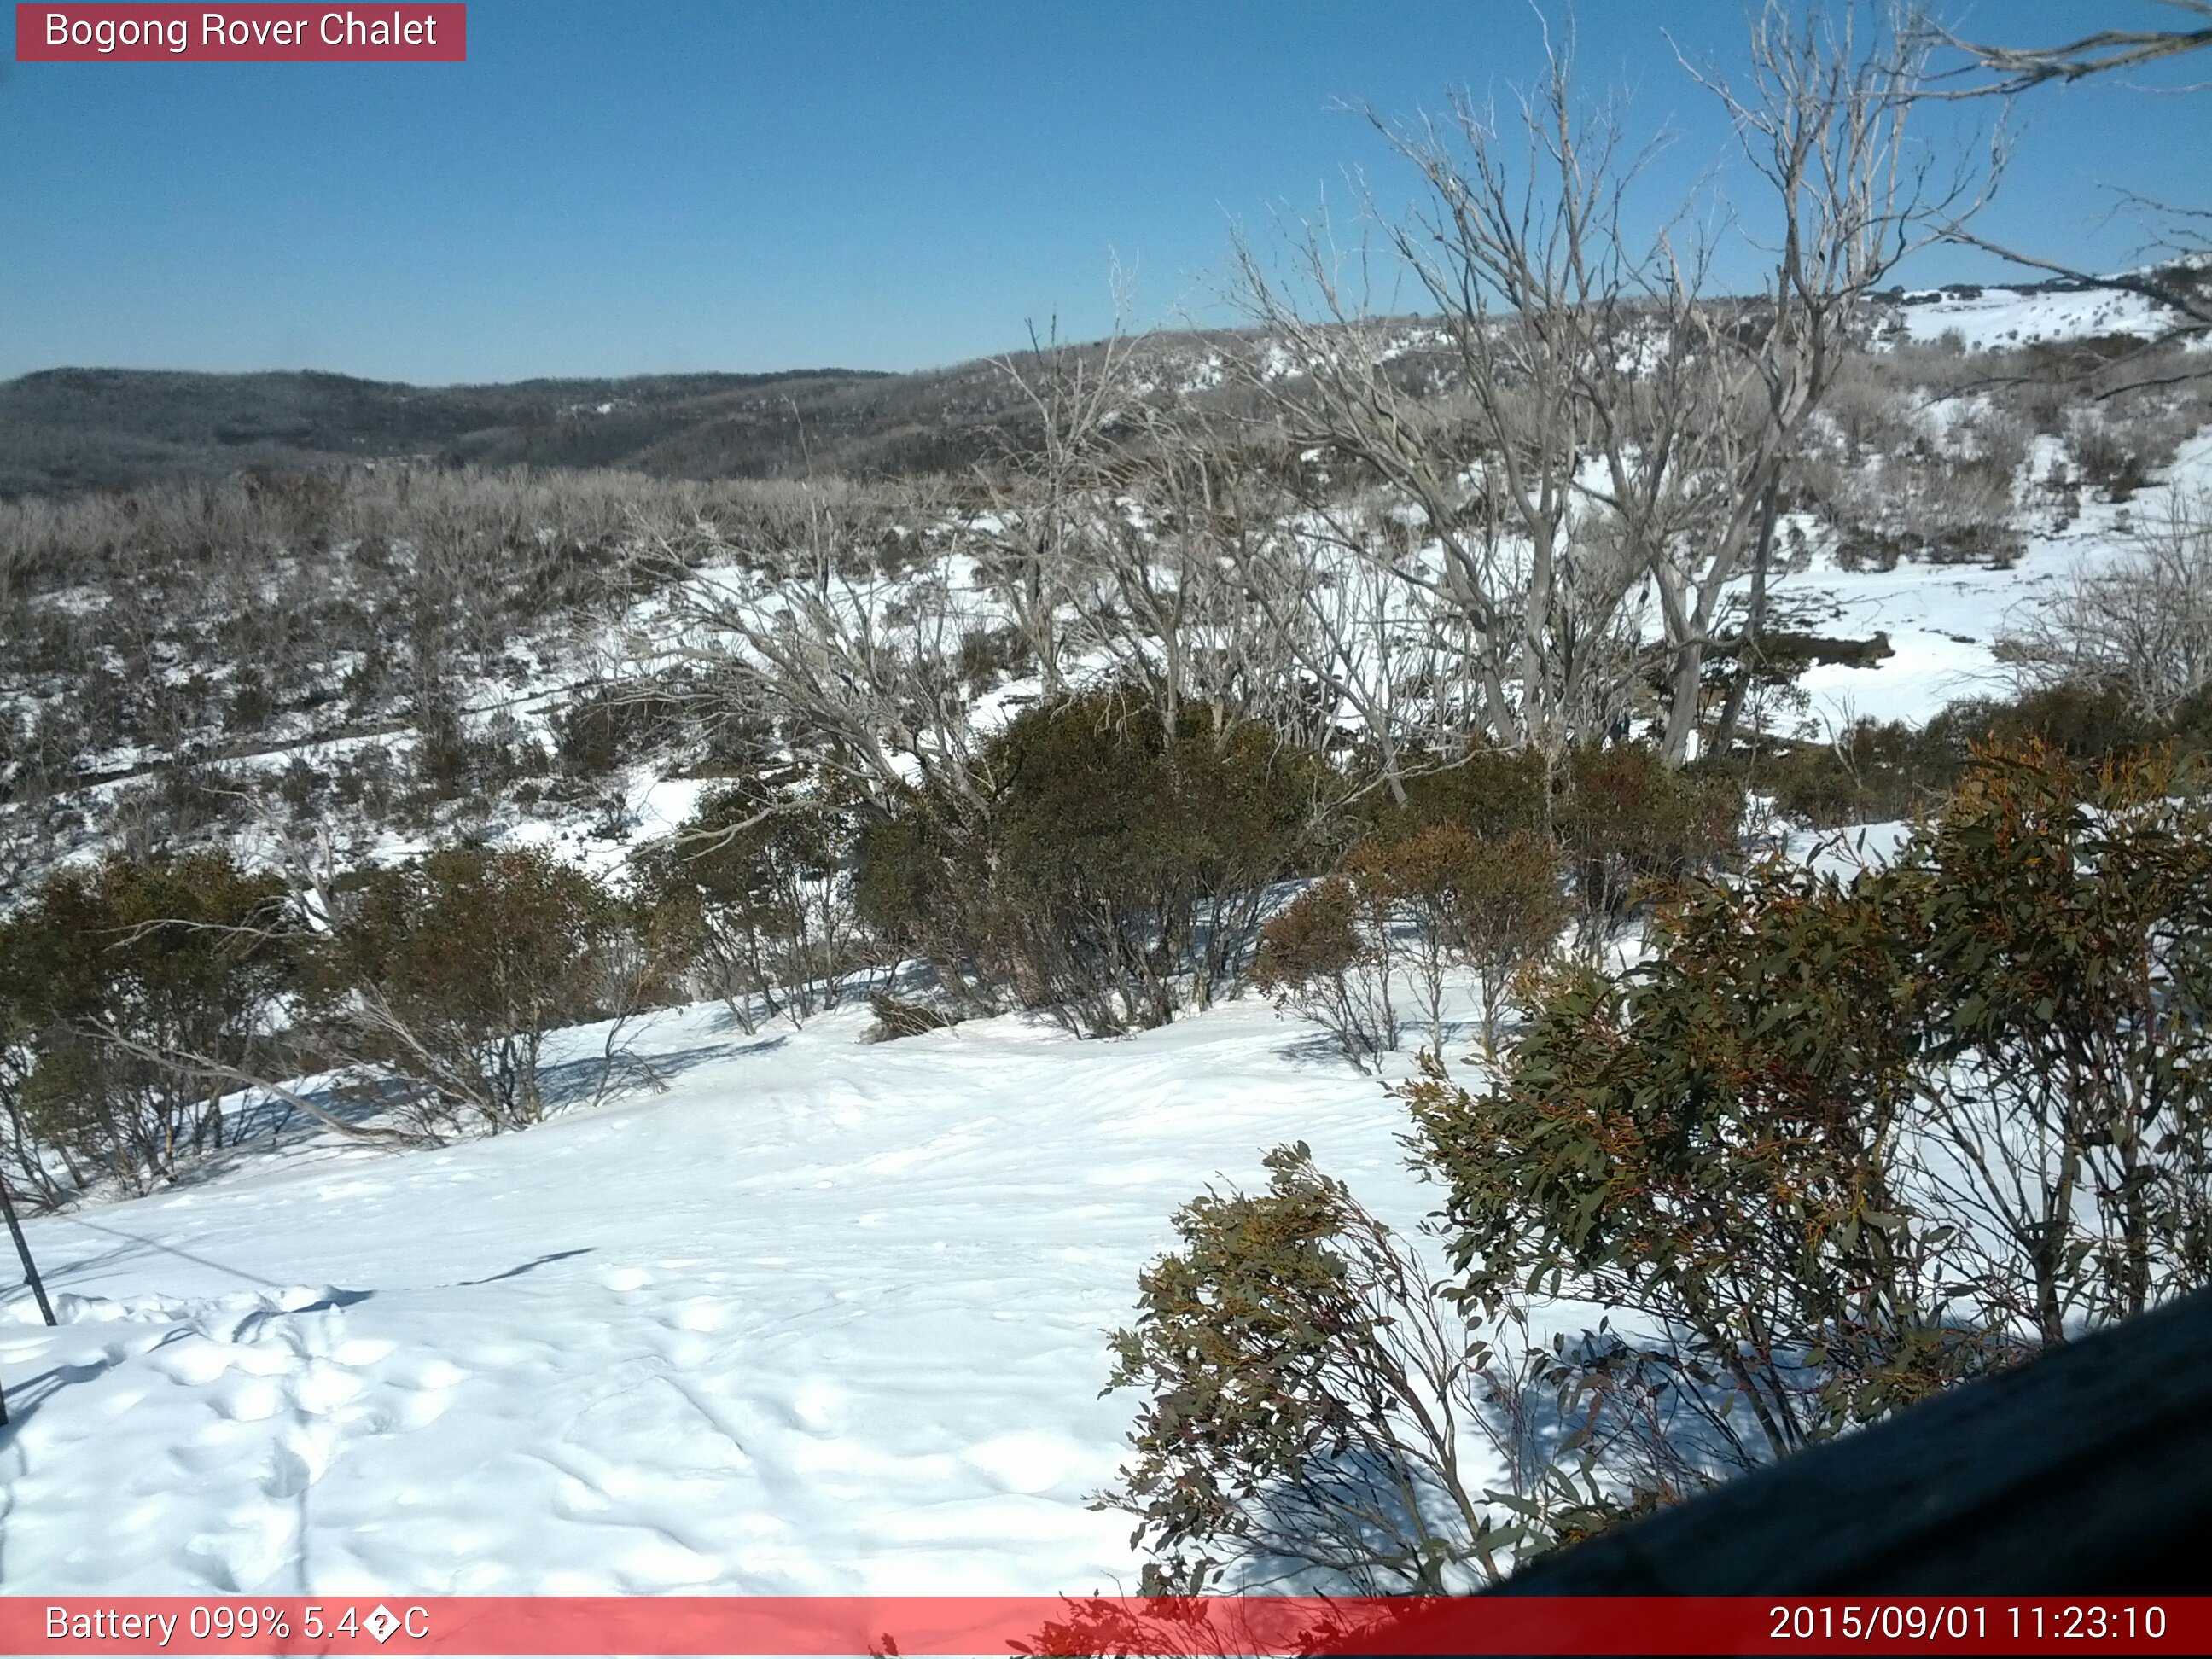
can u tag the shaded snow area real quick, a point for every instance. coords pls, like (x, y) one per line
(819, 1316)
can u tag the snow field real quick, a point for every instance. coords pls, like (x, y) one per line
(820, 1318)
(1944, 621)
(823, 1318)
(1996, 318)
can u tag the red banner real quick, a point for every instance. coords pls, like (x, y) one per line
(87, 33)
(1201, 1625)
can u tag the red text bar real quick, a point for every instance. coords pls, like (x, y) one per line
(1201, 1626)
(86, 32)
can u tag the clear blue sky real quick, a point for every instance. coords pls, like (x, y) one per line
(617, 188)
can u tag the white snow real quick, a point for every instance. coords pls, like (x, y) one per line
(1996, 318)
(822, 1317)
(1943, 621)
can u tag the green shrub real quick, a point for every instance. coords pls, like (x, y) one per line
(766, 893)
(252, 705)
(133, 986)
(1111, 873)
(923, 885)
(1425, 904)
(1704, 1147)
(1830, 1146)
(2059, 923)
(1492, 905)
(1852, 1140)
(606, 730)
(452, 761)
(446, 975)
(1305, 1397)
(897, 1017)
(1490, 793)
(1879, 770)
(1632, 826)
(1330, 954)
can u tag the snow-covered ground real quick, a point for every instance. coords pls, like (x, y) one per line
(1993, 318)
(818, 1316)
(821, 1316)
(1943, 621)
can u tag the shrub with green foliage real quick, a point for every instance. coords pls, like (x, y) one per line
(606, 730)
(1843, 1142)
(2059, 990)
(1704, 1147)
(1489, 792)
(445, 975)
(1492, 905)
(1307, 1400)
(1113, 873)
(1331, 953)
(764, 893)
(1834, 1143)
(1426, 903)
(922, 884)
(130, 992)
(1875, 771)
(900, 1017)
(1632, 826)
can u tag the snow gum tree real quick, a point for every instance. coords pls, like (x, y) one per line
(1578, 418)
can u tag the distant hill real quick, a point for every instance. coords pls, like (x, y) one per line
(71, 430)
(67, 430)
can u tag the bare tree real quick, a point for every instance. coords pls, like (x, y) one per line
(1186, 597)
(815, 634)
(1140, 535)
(2142, 624)
(1474, 422)
(2181, 292)
(1594, 416)
(1822, 115)
(1045, 487)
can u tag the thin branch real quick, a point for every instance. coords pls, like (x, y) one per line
(2021, 67)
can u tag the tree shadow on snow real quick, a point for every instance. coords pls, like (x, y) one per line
(596, 1077)
(531, 1266)
(25, 1398)
(1313, 1048)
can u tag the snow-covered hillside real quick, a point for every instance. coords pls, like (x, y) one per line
(1998, 319)
(1942, 621)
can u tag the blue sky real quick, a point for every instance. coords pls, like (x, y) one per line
(618, 188)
